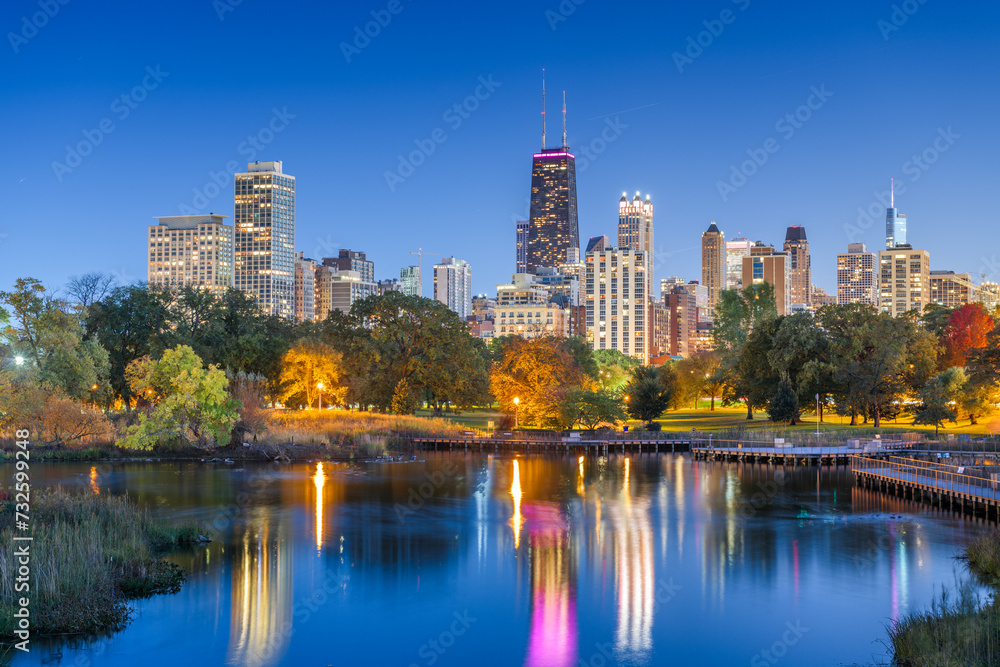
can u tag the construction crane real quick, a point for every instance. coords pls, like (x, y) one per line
(420, 260)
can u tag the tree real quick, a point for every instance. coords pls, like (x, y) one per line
(967, 330)
(90, 288)
(613, 368)
(751, 376)
(594, 408)
(937, 398)
(935, 318)
(388, 338)
(699, 373)
(190, 403)
(784, 405)
(800, 356)
(983, 369)
(307, 365)
(646, 394)
(737, 314)
(541, 373)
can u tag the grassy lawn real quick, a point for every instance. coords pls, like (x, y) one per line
(721, 419)
(474, 418)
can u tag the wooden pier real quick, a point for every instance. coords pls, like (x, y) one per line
(541, 444)
(934, 483)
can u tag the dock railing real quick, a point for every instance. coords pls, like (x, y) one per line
(918, 472)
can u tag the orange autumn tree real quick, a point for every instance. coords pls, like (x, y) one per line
(966, 331)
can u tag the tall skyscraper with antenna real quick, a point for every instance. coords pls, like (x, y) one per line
(553, 228)
(895, 222)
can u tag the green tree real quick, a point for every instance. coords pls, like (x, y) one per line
(613, 368)
(751, 377)
(190, 404)
(784, 404)
(592, 408)
(800, 356)
(737, 315)
(646, 394)
(937, 398)
(388, 338)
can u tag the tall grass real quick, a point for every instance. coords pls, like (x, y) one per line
(90, 554)
(956, 631)
(984, 555)
(353, 429)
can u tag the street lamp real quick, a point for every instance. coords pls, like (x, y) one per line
(19, 361)
(517, 410)
(319, 385)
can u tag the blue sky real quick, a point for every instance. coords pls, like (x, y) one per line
(898, 80)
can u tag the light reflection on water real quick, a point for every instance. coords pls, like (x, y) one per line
(544, 562)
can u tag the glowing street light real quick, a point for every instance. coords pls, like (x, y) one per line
(19, 361)
(517, 411)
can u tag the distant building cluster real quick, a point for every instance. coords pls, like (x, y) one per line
(602, 293)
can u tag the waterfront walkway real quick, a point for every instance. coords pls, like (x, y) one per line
(974, 490)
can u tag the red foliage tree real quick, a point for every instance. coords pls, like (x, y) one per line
(967, 329)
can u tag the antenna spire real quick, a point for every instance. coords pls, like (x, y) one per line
(543, 108)
(892, 193)
(564, 119)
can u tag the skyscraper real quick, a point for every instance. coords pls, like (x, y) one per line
(857, 276)
(265, 237)
(635, 230)
(553, 227)
(305, 289)
(736, 250)
(521, 246)
(352, 260)
(904, 280)
(713, 263)
(453, 285)
(409, 276)
(616, 301)
(774, 269)
(895, 223)
(195, 250)
(797, 247)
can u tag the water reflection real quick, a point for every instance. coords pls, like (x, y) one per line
(637, 553)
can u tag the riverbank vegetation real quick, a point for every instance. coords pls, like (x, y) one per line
(958, 629)
(90, 555)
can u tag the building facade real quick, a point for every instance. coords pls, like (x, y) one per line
(409, 278)
(553, 225)
(616, 301)
(305, 289)
(797, 247)
(352, 260)
(904, 280)
(713, 262)
(857, 275)
(736, 250)
(683, 306)
(774, 269)
(531, 320)
(951, 290)
(191, 250)
(521, 246)
(453, 285)
(264, 240)
(389, 285)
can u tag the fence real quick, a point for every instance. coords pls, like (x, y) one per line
(918, 472)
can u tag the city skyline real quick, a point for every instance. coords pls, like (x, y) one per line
(70, 80)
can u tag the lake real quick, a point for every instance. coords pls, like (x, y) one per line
(470, 559)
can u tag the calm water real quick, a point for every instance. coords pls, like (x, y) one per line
(481, 560)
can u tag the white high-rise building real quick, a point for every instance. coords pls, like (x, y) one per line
(635, 230)
(453, 285)
(195, 250)
(265, 237)
(616, 294)
(857, 275)
(305, 288)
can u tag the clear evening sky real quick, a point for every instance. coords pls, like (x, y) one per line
(665, 98)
